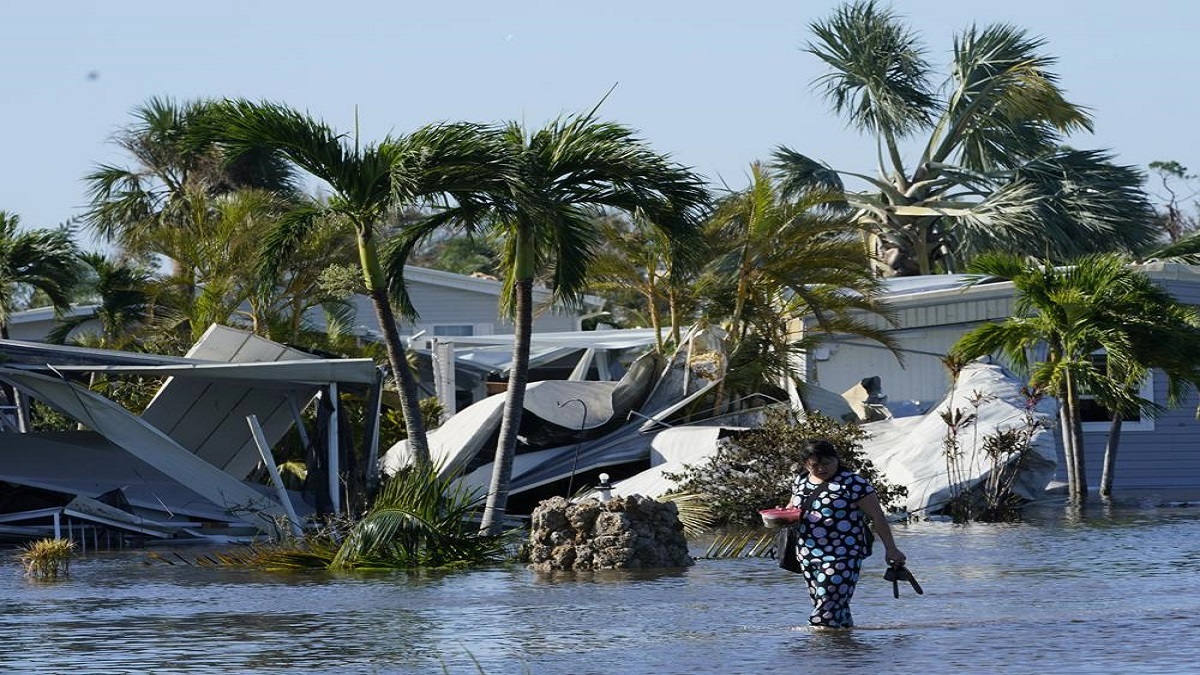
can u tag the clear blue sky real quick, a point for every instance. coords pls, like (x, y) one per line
(715, 84)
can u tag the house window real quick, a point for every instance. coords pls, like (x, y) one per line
(454, 330)
(1096, 417)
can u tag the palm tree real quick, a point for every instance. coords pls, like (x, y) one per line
(992, 172)
(43, 260)
(172, 179)
(543, 216)
(35, 260)
(1163, 335)
(1097, 304)
(638, 262)
(124, 301)
(776, 259)
(367, 182)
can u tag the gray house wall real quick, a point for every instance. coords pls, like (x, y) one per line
(444, 299)
(1156, 456)
(441, 299)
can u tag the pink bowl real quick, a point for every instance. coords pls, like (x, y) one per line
(778, 517)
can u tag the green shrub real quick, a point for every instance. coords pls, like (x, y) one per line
(754, 469)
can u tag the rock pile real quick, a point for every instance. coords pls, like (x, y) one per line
(623, 533)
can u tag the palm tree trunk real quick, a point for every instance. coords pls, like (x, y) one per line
(673, 299)
(406, 384)
(1068, 440)
(655, 313)
(1110, 455)
(1080, 493)
(514, 407)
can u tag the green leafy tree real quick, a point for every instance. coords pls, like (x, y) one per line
(992, 172)
(1174, 177)
(541, 212)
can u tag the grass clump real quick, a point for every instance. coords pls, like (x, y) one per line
(47, 558)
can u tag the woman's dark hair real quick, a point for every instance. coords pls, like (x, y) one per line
(817, 447)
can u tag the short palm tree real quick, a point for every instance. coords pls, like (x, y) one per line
(639, 262)
(991, 173)
(774, 260)
(1097, 304)
(124, 302)
(543, 214)
(172, 178)
(41, 260)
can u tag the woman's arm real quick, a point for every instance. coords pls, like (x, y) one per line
(883, 529)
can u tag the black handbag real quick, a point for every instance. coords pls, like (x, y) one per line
(786, 542)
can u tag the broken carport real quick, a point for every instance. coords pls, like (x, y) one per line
(181, 468)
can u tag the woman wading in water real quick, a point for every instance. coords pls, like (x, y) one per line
(835, 503)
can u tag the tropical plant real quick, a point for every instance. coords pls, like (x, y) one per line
(637, 263)
(42, 260)
(1099, 304)
(367, 182)
(418, 520)
(1164, 336)
(123, 294)
(1006, 451)
(992, 172)
(542, 214)
(775, 260)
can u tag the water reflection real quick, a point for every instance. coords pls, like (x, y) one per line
(1057, 593)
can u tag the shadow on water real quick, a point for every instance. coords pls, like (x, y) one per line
(1061, 592)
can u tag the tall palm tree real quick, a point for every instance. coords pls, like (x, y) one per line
(42, 260)
(367, 182)
(991, 173)
(775, 259)
(543, 215)
(1097, 304)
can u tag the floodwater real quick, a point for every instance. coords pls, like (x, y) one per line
(1109, 591)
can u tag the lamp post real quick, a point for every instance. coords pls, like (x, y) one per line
(578, 441)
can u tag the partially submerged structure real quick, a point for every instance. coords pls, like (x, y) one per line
(183, 467)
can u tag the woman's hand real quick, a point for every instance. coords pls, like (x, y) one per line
(893, 554)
